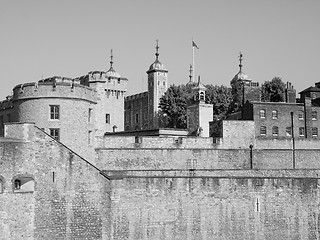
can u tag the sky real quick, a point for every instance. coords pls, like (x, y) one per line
(278, 38)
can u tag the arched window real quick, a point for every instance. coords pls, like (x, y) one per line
(262, 113)
(201, 96)
(23, 184)
(274, 114)
(137, 127)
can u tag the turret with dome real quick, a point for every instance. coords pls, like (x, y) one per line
(111, 72)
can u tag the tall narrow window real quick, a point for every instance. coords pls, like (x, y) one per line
(314, 115)
(89, 137)
(263, 130)
(137, 117)
(54, 112)
(288, 131)
(274, 114)
(107, 118)
(55, 133)
(89, 114)
(300, 115)
(9, 117)
(262, 113)
(301, 131)
(314, 132)
(1, 121)
(1, 186)
(275, 131)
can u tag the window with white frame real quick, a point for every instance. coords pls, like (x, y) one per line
(262, 113)
(314, 115)
(288, 131)
(54, 112)
(275, 131)
(314, 131)
(300, 115)
(274, 114)
(301, 131)
(263, 130)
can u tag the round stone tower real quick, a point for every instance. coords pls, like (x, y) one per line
(62, 107)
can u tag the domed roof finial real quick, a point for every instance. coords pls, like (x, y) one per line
(240, 60)
(157, 50)
(111, 72)
(190, 73)
(111, 59)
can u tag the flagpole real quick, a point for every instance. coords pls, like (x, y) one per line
(193, 62)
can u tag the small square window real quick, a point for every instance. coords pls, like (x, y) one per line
(314, 115)
(288, 131)
(301, 131)
(107, 118)
(263, 130)
(54, 111)
(274, 114)
(55, 133)
(262, 113)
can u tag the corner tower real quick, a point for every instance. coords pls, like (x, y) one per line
(157, 86)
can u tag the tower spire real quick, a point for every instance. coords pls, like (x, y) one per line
(240, 61)
(157, 50)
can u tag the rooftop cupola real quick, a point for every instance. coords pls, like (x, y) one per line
(241, 76)
(156, 65)
(200, 91)
(111, 72)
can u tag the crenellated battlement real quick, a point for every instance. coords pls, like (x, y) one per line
(54, 87)
(110, 82)
(137, 96)
(7, 103)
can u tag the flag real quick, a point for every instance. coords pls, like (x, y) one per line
(194, 44)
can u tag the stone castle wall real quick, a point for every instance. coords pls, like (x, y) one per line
(64, 203)
(157, 188)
